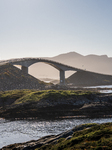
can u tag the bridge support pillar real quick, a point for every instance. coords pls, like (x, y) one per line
(62, 77)
(24, 69)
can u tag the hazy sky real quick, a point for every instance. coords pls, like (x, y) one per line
(42, 28)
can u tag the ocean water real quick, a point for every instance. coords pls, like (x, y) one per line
(25, 130)
(103, 90)
(101, 86)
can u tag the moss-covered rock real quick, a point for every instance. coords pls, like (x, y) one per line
(83, 137)
(53, 104)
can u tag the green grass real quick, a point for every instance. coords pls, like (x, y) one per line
(13, 93)
(97, 137)
(23, 96)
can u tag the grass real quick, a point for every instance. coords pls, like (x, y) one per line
(97, 137)
(23, 96)
(6, 73)
(14, 93)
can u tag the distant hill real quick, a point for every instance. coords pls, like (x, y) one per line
(65, 57)
(99, 64)
(89, 79)
(13, 78)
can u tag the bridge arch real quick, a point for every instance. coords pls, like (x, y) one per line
(26, 62)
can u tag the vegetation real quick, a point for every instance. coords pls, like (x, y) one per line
(49, 104)
(13, 78)
(23, 96)
(97, 137)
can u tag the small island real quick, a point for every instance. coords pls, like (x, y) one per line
(54, 104)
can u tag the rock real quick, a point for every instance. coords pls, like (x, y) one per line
(51, 139)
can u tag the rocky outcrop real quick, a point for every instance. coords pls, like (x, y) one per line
(13, 78)
(88, 105)
(51, 139)
(87, 136)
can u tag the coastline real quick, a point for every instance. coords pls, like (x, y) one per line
(54, 104)
(94, 135)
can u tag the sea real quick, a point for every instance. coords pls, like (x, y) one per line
(103, 88)
(19, 131)
(25, 130)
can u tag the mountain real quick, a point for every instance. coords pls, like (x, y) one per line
(65, 57)
(95, 63)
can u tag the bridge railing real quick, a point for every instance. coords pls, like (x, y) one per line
(41, 59)
(59, 63)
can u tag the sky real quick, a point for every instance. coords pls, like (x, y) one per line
(46, 28)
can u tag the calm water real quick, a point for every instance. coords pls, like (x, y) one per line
(102, 86)
(22, 131)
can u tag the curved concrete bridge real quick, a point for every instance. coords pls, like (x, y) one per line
(26, 62)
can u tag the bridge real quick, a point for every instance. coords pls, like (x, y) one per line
(26, 62)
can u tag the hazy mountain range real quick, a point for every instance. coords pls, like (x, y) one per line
(96, 63)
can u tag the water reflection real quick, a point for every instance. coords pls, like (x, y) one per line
(24, 130)
(105, 88)
(100, 86)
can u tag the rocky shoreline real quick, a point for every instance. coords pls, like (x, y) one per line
(51, 139)
(51, 107)
(53, 104)
(84, 136)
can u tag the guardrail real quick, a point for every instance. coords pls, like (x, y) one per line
(40, 59)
